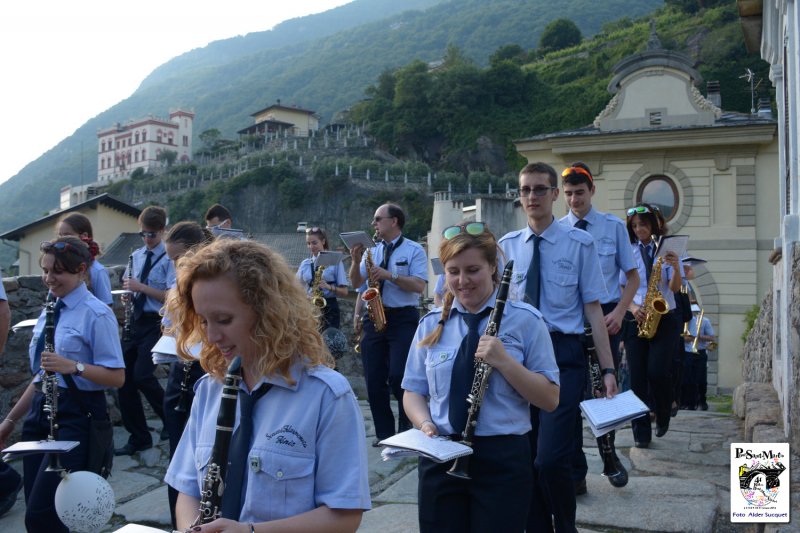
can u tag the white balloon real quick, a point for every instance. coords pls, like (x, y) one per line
(84, 501)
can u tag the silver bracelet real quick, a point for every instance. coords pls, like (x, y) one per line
(13, 422)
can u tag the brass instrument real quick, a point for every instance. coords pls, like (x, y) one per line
(50, 383)
(372, 297)
(480, 381)
(127, 303)
(697, 327)
(214, 480)
(316, 293)
(654, 304)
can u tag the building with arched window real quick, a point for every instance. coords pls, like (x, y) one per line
(711, 172)
(123, 148)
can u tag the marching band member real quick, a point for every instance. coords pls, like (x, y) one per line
(304, 466)
(10, 480)
(181, 238)
(400, 269)
(87, 361)
(78, 225)
(436, 385)
(557, 270)
(695, 379)
(650, 360)
(334, 279)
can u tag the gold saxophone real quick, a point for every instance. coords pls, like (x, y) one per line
(316, 293)
(654, 304)
(372, 297)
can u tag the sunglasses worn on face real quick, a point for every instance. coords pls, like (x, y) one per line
(538, 191)
(473, 228)
(58, 246)
(576, 170)
(148, 234)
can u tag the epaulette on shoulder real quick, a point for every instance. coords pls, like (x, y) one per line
(519, 304)
(510, 235)
(580, 236)
(333, 379)
(435, 311)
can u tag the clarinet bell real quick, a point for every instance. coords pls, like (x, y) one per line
(183, 403)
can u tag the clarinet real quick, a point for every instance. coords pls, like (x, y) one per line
(185, 399)
(50, 382)
(214, 480)
(612, 467)
(128, 307)
(480, 381)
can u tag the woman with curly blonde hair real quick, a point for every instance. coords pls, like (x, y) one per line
(239, 298)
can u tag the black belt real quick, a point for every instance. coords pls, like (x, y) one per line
(404, 308)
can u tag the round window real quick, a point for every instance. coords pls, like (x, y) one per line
(662, 192)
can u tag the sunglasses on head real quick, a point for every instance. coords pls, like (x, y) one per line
(58, 246)
(577, 170)
(148, 234)
(315, 229)
(640, 209)
(473, 228)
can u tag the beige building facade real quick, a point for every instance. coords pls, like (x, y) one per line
(280, 119)
(109, 217)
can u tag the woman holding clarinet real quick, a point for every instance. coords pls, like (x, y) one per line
(438, 377)
(297, 452)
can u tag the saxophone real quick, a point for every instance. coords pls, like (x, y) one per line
(50, 383)
(127, 303)
(654, 304)
(372, 297)
(214, 480)
(316, 293)
(480, 380)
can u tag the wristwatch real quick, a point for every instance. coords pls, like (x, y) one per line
(395, 275)
(79, 368)
(607, 371)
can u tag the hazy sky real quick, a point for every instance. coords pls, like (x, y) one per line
(109, 48)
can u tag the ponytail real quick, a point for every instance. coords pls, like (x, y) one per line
(434, 336)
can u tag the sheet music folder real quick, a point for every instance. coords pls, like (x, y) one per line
(415, 442)
(21, 449)
(351, 238)
(605, 415)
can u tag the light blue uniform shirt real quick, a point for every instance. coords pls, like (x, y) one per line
(161, 275)
(87, 331)
(2, 288)
(309, 446)
(705, 329)
(101, 283)
(666, 274)
(504, 412)
(409, 259)
(613, 247)
(570, 273)
(333, 275)
(440, 286)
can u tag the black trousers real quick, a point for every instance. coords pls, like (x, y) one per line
(9, 479)
(139, 368)
(175, 421)
(579, 465)
(553, 443)
(384, 358)
(495, 499)
(695, 379)
(73, 422)
(650, 364)
(331, 316)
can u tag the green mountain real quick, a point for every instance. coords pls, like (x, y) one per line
(323, 62)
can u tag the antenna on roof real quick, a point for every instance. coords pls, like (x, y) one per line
(750, 76)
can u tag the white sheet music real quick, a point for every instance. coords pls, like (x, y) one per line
(673, 243)
(604, 415)
(415, 442)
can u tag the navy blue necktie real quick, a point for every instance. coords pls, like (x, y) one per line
(388, 248)
(238, 457)
(647, 258)
(37, 355)
(533, 283)
(141, 298)
(582, 224)
(463, 371)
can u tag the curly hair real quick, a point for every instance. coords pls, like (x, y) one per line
(286, 327)
(448, 249)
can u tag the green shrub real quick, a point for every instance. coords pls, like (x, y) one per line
(749, 321)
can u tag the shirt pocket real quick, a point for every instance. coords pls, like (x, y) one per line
(285, 481)
(72, 344)
(516, 287)
(401, 266)
(157, 278)
(608, 255)
(202, 457)
(438, 368)
(564, 290)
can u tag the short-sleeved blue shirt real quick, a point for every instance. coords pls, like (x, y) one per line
(333, 275)
(408, 259)
(87, 331)
(504, 412)
(309, 446)
(613, 247)
(705, 329)
(666, 275)
(161, 276)
(2, 288)
(570, 273)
